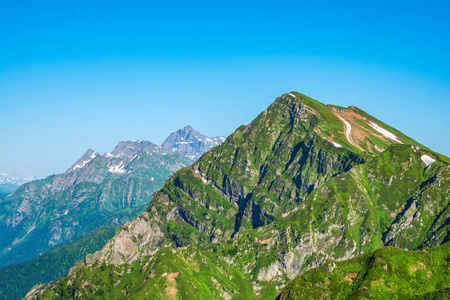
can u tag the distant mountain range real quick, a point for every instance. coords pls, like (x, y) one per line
(301, 186)
(9, 182)
(11, 178)
(99, 189)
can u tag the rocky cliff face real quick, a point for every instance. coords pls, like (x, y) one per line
(100, 189)
(302, 184)
(190, 143)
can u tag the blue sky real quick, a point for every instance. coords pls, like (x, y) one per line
(85, 75)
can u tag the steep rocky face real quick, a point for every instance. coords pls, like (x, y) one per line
(295, 188)
(131, 148)
(190, 143)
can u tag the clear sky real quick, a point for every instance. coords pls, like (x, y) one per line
(86, 74)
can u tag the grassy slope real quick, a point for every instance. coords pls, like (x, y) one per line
(387, 273)
(276, 190)
(187, 271)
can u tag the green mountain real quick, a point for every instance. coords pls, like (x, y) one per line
(387, 273)
(303, 184)
(16, 280)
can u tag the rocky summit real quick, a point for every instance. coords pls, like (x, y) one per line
(300, 186)
(190, 143)
(99, 189)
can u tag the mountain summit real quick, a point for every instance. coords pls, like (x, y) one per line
(190, 143)
(302, 184)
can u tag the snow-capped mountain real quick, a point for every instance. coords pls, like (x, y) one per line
(190, 143)
(15, 179)
(185, 141)
(99, 189)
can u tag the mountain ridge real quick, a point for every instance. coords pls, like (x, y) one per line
(288, 192)
(44, 213)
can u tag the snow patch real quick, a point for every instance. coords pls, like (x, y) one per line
(291, 95)
(427, 159)
(348, 131)
(337, 145)
(83, 163)
(384, 132)
(196, 171)
(119, 169)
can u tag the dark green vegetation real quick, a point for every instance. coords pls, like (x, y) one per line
(286, 193)
(387, 273)
(16, 280)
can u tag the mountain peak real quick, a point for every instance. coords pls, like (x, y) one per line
(131, 148)
(190, 143)
(83, 160)
(349, 128)
(187, 128)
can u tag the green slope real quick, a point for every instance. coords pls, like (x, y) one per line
(387, 273)
(278, 198)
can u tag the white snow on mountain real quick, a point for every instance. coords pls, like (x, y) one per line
(15, 179)
(337, 145)
(384, 132)
(427, 159)
(349, 129)
(85, 162)
(118, 169)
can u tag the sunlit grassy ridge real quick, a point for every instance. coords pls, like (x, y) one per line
(387, 273)
(274, 200)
